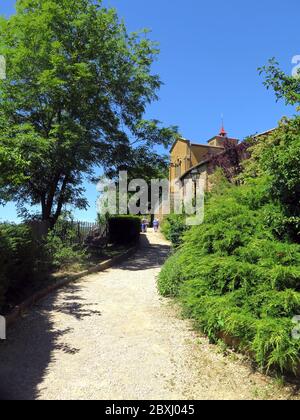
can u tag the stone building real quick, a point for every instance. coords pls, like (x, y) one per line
(190, 159)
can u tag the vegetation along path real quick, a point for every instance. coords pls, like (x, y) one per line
(110, 336)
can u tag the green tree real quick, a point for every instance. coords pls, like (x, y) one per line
(20, 149)
(146, 164)
(280, 160)
(276, 156)
(285, 86)
(77, 86)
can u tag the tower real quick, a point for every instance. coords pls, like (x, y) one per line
(223, 132)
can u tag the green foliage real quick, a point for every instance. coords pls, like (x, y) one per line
(26, 262)
(274, 346)
(63, 251)
(285, 86)
(20, 147)
(218, 181)
(236, 279)
(280, 160)
(124, 229)
(277, 157)
(170, 277)
(173, 227)
(21, 259)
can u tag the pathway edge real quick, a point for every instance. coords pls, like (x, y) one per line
(19, 310)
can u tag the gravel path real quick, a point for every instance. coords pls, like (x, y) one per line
(110, 336)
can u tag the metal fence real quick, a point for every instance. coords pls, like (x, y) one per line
(80, 232)
(72, 232)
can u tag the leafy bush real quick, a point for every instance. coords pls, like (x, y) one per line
(236, 278)
(63, 252)
(124, 229)
(280, 159)
(276, 156)
(173, 227)
(26, 262)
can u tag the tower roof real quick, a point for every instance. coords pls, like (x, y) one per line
(223, 132)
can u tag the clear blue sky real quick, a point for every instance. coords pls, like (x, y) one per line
(210, 52)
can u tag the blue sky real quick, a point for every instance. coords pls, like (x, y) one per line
(210, 52)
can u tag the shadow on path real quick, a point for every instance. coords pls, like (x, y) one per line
(148, 256)
(26, 354)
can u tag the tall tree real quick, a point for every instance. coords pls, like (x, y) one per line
(286, 87)
(276, 155)
(77, 87)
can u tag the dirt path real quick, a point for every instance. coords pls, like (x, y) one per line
(110, 336)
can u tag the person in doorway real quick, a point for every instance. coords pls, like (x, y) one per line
(155, 225)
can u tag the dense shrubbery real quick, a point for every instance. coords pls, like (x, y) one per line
(25, 261)
(62, 245)
(173, 227)
(124, 229)
(234, 276)
(276, 156)
(21, 259)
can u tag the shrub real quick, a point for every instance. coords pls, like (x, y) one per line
(124, 229)
(21, 259)
(174, 227)
(236, 279)
(274, 345)
(170, 277)
(63, 244)
(63, 252)
(25, 262)
(277, 157)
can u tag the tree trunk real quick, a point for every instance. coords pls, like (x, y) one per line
(43, 205)
(47, 204)
(61, 201)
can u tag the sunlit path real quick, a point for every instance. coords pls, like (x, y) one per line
(110, 336)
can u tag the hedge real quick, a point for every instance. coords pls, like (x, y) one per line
(236, 278)
(124, 229)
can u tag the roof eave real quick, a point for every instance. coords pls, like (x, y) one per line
(204, 162)
(177, 140)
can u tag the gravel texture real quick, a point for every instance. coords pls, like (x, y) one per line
(110, 336)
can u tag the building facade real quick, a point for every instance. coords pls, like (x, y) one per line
(188, 159)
